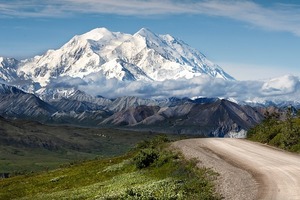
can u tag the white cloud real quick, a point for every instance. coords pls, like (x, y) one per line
(278, 17)
(280, 86)
(285, 88)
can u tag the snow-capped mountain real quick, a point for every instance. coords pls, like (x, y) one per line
(141, 56)
(144, 64)
(113, 78)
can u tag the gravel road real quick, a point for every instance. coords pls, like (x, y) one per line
(247, 170)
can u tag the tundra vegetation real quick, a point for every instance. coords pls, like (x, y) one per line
(283, 133)
(149, 171)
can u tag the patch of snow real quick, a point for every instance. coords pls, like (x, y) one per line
(241, 134)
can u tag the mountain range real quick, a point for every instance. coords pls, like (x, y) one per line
(52, 88)
(203, 116)
(100, 53)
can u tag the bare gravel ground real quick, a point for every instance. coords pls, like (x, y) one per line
(247, 170)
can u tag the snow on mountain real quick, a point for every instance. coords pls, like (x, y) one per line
(7, 89)
(77, 58)
(141, 56)
(8, 69)
(47, 94)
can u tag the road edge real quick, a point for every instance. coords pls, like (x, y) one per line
(249, 184)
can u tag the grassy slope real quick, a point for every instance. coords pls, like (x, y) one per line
(168, 176)
(30, 146)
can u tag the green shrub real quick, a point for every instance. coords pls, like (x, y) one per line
(165, 157)
(278, 141)
(283, 134)
(153, 143)
(296, 148)
(145, 158)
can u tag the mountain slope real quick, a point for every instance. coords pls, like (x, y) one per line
(27, 146)
(8, 69)
(207, 117)
(219, 118)
(141, 56)
(15, 103)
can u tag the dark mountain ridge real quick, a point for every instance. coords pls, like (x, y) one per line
(202, 116)
(14, 103)
(208, 119)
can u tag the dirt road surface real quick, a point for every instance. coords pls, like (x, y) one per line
(247, 170)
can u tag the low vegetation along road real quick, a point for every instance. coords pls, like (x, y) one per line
(247, 170)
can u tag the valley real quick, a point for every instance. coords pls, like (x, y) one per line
(28, 146)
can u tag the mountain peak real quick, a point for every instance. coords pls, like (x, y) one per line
(145, 32)
(7, 60)
(96, 34)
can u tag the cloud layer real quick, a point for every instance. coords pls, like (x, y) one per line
(278, 17)
(285, 88)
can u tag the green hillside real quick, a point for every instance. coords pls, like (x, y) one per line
(274, 131)
(27, 146)
(150, 171)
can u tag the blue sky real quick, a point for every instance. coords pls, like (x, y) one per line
(250, 40)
